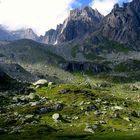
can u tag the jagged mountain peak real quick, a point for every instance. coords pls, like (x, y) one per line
(84, 13)
(80, 21)
(123, 24)
(133, 6)
(51, 31)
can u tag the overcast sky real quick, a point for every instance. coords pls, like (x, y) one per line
(41, 15)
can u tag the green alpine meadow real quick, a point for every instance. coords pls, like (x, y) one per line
(80, 81)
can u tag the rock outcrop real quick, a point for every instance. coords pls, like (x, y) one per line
(79, 23)
(51, 36)
(85, 67)
(123, 24)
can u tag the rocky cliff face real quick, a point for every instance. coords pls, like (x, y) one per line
(51, 36)
(123, 24)
(79, 23)
(85, 67)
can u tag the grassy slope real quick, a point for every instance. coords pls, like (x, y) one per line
(37, 59)
(114, 94)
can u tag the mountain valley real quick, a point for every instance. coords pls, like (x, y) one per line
(80, 81)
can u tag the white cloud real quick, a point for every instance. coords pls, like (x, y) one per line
(104, 6)
(41, 15)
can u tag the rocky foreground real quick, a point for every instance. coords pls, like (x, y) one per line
(67, 111)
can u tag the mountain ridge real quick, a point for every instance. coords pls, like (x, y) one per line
(79, 22)
(122, 25)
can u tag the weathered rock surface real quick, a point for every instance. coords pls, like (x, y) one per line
(41, 83)
(123, 24)
(89, 129)
(57, 117)
(79, 22)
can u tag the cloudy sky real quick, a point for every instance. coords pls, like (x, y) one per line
(42, 15)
